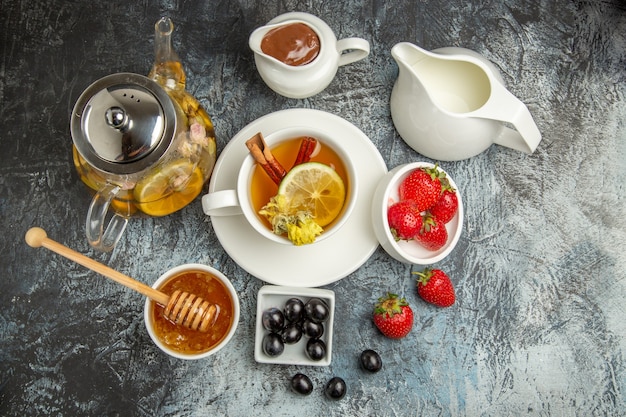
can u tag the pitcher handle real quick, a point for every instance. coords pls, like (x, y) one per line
(99, 237)
(352, 50)
(505, 107)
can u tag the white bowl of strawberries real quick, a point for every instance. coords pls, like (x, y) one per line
(417, 213)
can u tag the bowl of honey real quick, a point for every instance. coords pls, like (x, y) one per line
(207, 283)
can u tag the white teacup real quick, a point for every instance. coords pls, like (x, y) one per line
(238, 201)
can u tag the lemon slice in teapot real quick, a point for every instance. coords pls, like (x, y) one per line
(169, 188)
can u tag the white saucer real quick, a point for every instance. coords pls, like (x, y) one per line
(301, 266)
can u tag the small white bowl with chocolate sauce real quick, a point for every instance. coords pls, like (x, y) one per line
(297, 54)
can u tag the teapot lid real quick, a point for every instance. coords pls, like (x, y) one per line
(123, 123)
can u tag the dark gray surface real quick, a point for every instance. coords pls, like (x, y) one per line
(538, 328)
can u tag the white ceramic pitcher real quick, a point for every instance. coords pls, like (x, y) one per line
(451, 104)
(305, 80)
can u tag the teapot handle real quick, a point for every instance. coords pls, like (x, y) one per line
(505, 107)
(352, 50)
(99, 237)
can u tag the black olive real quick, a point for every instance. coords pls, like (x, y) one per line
(316, 310)
(292, 333)
(273, 344)
(335, 388)
(273, 319)
(301, 384)
(371, 361)
(316, 349)
(294, 308)
(312, 329)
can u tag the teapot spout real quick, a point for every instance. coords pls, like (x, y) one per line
(167, 69)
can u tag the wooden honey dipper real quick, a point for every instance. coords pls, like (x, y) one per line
(182, 308)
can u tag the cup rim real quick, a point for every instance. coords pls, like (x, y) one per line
(175, 271)
(281, 135)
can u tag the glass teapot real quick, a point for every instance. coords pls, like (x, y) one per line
(143, 144)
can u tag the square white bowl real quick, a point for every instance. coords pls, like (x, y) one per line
(276, 296)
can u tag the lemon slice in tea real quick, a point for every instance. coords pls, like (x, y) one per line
(169, 188)
(314, 187)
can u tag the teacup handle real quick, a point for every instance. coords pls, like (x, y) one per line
(505, 107)
(98, 236)
(221, 203)
(352, 50)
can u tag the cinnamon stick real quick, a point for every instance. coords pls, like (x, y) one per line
(307, 146)
(263, 156)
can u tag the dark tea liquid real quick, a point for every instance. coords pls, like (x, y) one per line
(182, 339)
(262, 188)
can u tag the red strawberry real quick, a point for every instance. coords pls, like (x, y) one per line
(393, 316)
(448, 204)
(404, 220)
(435, 287)
(423, 185)
(433, 234)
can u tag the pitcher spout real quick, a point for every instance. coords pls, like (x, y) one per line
(256, 37)
(255, 42)
(407, 54)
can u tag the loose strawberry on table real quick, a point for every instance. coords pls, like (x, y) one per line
(423, 185)
(433, 234)
(393, 316)
(435, 287)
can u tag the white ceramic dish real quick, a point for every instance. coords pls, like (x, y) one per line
(276, 296)
(301, 266)
(409, 252)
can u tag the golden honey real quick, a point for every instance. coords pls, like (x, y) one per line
(184, 340)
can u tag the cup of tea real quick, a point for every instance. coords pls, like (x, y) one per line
(254, 187)
(207, 283)
(297, 54)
